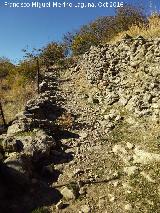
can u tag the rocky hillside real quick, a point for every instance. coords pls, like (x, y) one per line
(127, 72)
(90, 141)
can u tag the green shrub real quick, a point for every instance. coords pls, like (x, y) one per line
(53, 53)
(83, 42)
(27, 69)
(5, 67)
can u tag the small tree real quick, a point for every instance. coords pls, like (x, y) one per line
(27, 69)
(53, 53)
(127, 16)
(83, 42)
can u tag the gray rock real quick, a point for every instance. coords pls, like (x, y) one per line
(59, 205)
(83, 135)
(70, 193)
(130, 145)
(43, 86)
(17, 167)
(128, 207)
(82, 191)
(144, 157)
(15, 128)
(123, 101)
(36, 145)
(131, 170)
(86, 209)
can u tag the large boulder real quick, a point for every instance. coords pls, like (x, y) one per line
(36, 144)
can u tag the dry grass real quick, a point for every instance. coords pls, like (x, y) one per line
(150, 31)
(14, 94)
(65, 121)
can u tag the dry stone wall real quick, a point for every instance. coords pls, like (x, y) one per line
(128, 73)
(29, 138)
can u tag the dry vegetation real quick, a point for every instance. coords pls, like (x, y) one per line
(15, 97)
(16, 87)
(65, 121)
(18, 82)
(151, 30)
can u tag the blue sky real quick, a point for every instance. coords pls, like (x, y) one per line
(36, 27)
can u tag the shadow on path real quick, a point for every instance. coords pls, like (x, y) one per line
(17, 197)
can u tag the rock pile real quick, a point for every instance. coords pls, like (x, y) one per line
(128, 73)
(28, 139)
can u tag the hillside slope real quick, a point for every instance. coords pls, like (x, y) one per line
(100, 124)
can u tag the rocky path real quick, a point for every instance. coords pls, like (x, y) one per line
(93, 167)
(112, 168)
(116, 115)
